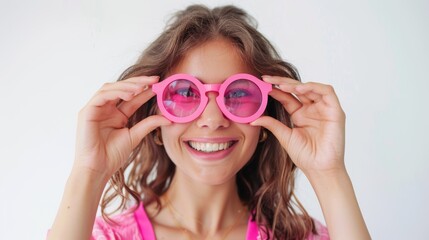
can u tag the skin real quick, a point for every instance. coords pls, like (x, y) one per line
(205, 197)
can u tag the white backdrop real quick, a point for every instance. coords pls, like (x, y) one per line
(55, 54)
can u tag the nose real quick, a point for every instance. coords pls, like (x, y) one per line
(212, 117)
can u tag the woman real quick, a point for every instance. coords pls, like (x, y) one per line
(214, 169)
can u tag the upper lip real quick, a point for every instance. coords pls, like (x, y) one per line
(211, 139)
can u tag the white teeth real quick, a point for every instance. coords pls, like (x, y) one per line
(210, 147)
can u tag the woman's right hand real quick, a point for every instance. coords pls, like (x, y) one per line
(104, 142)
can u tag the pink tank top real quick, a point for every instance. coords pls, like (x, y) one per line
(137, 226)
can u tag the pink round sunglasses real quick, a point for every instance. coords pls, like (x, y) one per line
(182, 98)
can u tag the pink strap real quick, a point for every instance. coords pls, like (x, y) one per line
(252, 229)
(145, 226)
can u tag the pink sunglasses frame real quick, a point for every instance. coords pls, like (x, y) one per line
(264, 87)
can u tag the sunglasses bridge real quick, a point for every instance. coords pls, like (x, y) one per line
(212, 88)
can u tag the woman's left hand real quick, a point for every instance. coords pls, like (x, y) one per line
(315, 143)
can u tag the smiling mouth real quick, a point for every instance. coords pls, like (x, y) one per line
(210, 147)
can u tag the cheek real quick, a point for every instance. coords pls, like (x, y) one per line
(171, 138)
(252, 138)
(253, 133)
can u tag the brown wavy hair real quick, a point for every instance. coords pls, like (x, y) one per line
(266, 183)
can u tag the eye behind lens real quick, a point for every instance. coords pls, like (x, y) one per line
(181, 98)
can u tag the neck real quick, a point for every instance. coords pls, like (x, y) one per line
(204, 209)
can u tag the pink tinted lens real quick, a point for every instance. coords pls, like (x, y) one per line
(181, 98)
(243, 98)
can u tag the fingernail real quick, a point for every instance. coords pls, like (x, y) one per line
(299, 87)
(265, 76)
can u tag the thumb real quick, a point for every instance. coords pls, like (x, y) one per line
(279, 129)
(145, 126)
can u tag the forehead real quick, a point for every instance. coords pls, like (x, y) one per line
(212, 62)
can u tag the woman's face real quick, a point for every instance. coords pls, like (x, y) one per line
(211, 149)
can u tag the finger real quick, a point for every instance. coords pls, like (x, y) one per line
(125, 86)
(134, 84)
(283, 83)
(145, 126)
(287, 85)
(148, 80)
(318, 92)
(129, 107)
(105, 96)
(280, 130)
(289, 102)
(279, 80)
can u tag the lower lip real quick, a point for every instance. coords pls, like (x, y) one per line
(210, 156)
